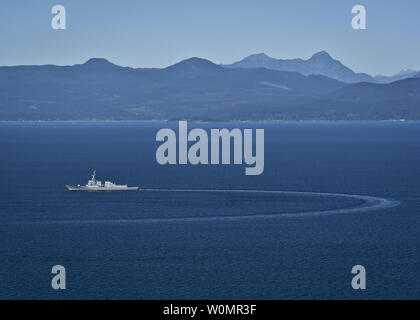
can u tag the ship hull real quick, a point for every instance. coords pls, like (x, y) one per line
(100, 189)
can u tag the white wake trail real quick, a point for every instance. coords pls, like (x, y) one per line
(370, 204)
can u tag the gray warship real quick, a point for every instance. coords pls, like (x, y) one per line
(96, 185)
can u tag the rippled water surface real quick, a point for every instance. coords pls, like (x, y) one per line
(332, 195)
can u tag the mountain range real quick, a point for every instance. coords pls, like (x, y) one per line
(320, 63)
(403, 74)
(197, 89)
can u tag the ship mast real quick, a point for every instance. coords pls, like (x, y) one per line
(93, 176)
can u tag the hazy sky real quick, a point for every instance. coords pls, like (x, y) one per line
(157, 33)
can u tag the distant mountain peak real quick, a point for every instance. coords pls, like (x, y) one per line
(196, 60)
(406, 71)
(261, 56)
(194, 64)
(99, 63)
(321, 55)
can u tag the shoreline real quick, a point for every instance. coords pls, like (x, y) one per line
(205, 121)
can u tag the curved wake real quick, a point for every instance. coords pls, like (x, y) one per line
(370, 204)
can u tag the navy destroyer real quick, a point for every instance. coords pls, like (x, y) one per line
(96, 185)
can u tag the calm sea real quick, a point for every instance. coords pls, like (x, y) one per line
(177, 243)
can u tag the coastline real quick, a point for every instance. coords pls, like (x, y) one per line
(272, 121)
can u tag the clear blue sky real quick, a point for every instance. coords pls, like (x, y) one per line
(157, 33)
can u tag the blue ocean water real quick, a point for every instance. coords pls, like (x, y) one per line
(174, 243)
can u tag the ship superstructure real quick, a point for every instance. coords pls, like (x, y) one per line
(97, 185)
